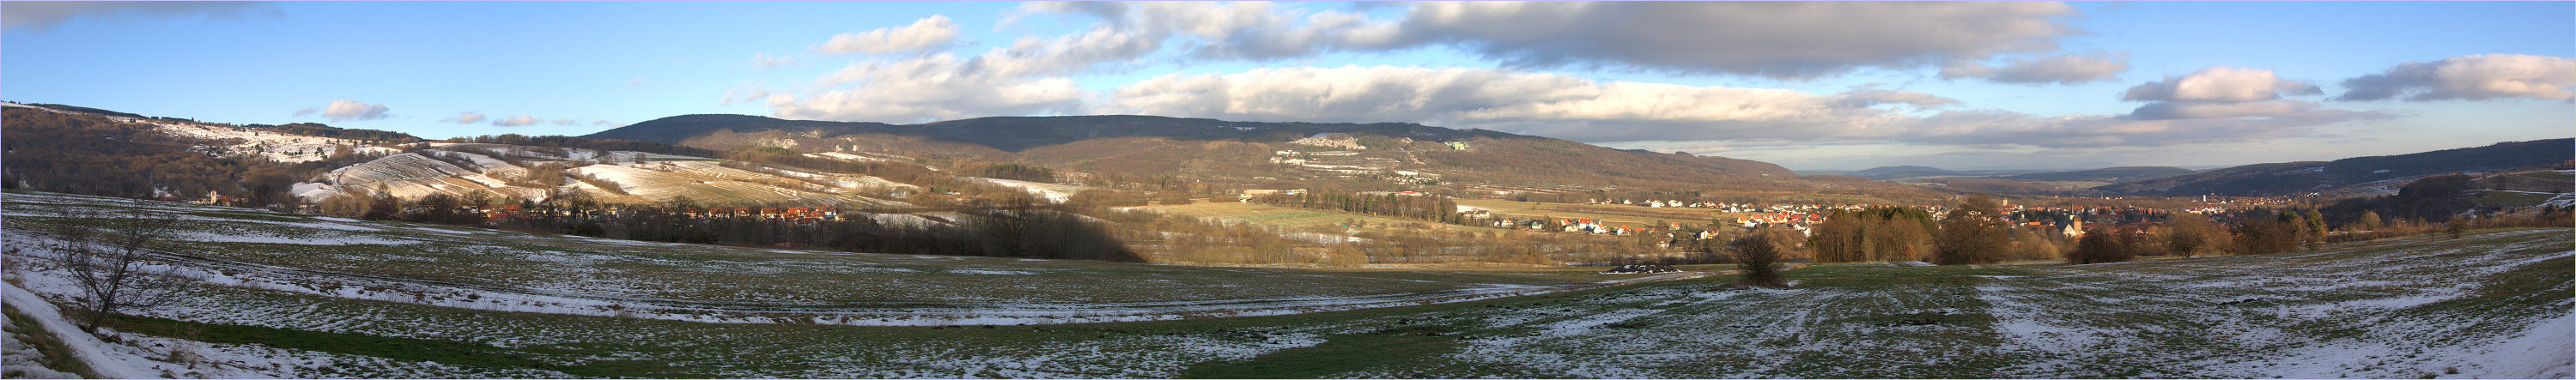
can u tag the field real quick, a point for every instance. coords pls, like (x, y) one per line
(360, 299)
(1287, 218)
(1525, 209)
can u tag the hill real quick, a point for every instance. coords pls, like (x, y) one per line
(1243, 154)
(2312, 176)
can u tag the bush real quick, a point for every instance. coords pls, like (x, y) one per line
(1760, 259)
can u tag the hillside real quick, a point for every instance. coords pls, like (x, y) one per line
(1240, 153)
(511, 172)
(2311, 176)
(294, 296)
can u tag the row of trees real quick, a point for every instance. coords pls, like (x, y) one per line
(1416, 207)
(1874, 234)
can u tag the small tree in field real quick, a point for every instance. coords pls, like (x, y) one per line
(1760, 259)
(2099, 246)
(2188, 233)
(106, 256)
(2455, 227)
(1973, 233)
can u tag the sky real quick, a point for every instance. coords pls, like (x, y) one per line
(1807, 85)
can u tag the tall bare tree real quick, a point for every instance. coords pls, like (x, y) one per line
(107, 255)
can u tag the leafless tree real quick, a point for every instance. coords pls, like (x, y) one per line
(107, 255)
(1760, 259)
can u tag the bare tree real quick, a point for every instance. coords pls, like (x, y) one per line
(1973, 233)
(107, 256)
(1760, 258)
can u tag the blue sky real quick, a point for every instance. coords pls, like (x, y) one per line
(1805, 85)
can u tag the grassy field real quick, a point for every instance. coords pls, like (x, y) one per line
(1697, 215)
(1291, 218)
(2494, 304)
(2498, 198)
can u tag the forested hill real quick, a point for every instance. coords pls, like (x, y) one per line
(2309, 176)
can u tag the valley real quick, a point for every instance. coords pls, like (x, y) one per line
(1201, 248)
(2490, 305)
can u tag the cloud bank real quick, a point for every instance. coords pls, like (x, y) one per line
(2471, 77)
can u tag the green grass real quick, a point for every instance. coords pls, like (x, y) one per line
(2508, 199)
(1293, 218)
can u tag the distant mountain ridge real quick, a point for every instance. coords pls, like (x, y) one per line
(1883, 173)
(2117, 174)
(2311, 176)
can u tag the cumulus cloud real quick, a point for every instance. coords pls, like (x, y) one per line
(515, 121)
(929, 88)
(2063, 69)
(1026, 77)
(1238, 30)
(922, 35)
(2471, 77)
(1584, 110)
(2220, 84)
(345, 110)
(41, 16)
(1538, 103)
(469, 117)
(1771, 39)
(566, 121)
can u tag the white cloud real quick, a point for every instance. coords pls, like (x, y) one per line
(1771, 39)
(1534, 103)
(2220, 84)
(637, 81)
(1584, 110)
(469, 117)
(2469, 77)
(345, 110)
(922, 35)
(308, 111)
(2063, 69)
(932, 87)
(514, 121)
(566, 121)
(1237, 30)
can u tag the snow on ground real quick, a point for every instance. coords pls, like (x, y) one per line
(1052, 192)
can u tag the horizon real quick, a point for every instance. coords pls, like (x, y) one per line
(2120, 84)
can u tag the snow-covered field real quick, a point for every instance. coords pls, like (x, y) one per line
(642, 177)
(2496, 304)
